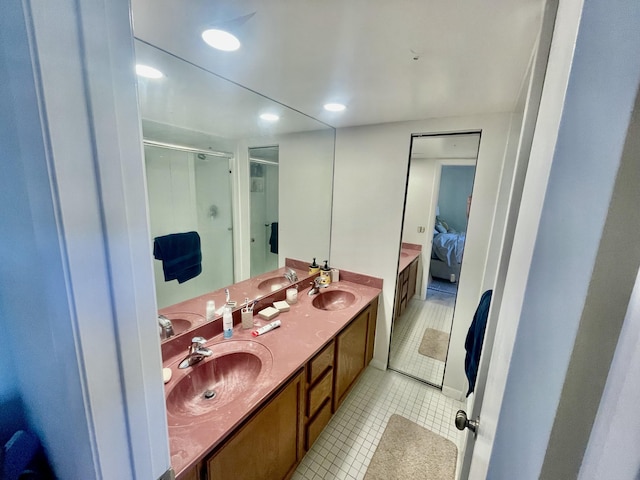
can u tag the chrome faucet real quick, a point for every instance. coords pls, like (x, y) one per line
(316, 286)
(291, 275)
(166, 326)
(197, 352)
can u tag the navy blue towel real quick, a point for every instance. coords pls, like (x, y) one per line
(475, 337)
(273, 240)
(180, 254)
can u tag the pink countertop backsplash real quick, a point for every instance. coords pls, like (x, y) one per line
(304, 331)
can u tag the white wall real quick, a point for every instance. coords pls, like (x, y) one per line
(89, 360)
(369, 188)
(421, 184)
(585, 161)
(305, 196)
(614, 430)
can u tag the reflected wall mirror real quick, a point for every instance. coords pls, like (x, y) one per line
(243, 183)
(439, 192)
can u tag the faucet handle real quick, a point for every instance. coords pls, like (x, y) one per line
(198, 341)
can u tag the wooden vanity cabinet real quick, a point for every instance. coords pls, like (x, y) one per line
(191, 474)
(272, 442)
(351, 348)
(319, 393)
(267, 447)
(406, 287)
(333, 371)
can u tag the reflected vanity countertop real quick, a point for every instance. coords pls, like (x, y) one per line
(408, 253)
(194, 309)
(305, 330)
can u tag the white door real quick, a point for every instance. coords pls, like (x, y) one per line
(513, 270)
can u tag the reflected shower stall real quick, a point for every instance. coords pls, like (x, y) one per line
(190, 190)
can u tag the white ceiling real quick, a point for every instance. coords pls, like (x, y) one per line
(472, 55)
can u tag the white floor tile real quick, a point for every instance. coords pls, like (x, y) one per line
(345, 447)
(435, 312)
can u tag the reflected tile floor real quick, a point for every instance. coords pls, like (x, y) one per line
(345, 447)
(435, 312)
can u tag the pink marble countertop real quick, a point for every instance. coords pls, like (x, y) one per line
(407, 255)
(304, 331)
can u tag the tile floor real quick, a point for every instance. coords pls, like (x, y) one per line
(435, 312)
(345, 447)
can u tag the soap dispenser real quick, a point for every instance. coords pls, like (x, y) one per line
(325, 273)
(227, 322)
(314, 268)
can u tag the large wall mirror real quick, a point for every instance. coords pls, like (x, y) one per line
(438, 198)
(256, 190)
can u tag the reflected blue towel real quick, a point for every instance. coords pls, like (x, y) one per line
(273, 240)
(475, 337)
(180, 254)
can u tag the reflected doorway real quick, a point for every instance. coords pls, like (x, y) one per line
(264, 191)
(439, 192)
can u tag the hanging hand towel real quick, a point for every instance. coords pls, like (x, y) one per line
(180, 254)
(273, 240)
(475, 337)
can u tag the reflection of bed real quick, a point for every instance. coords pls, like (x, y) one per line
(446, 255)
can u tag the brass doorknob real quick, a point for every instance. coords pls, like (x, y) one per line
(463, 422)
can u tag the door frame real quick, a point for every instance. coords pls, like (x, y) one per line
(585, 55)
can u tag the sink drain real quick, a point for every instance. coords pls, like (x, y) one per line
(209, 394)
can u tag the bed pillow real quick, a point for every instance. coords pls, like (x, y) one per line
(440, 228)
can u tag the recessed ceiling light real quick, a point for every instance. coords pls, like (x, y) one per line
(334, 107)
(148, 72)
(270, 117)
(221, 40)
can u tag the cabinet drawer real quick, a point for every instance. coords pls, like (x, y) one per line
(320, 362)
(315, 426)
(319, 393)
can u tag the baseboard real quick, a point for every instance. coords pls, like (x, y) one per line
(378, 364)
(452, 393)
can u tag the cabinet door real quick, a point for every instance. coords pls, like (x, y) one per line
(269, 446)
(413, 279)
(371, 330)
(351, 345)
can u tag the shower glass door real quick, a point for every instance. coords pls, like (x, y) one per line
(191, 191)
(263, 185)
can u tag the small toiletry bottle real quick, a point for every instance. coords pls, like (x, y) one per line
(211, 310)
(325, 273)
(227, 322)
(314, 267)
(335, 275)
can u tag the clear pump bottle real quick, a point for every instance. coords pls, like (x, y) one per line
(227, 322)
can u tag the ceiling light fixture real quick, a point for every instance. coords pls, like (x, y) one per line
(334, 107)
(148, 72)
(221, 40)
(270, 117)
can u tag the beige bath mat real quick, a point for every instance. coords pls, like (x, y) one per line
(409, 451)
(434, 344)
